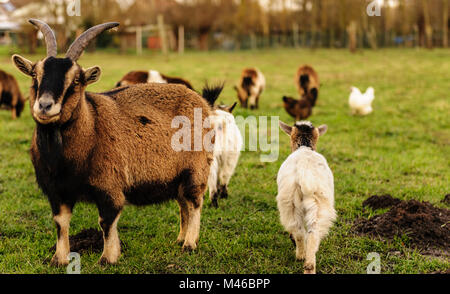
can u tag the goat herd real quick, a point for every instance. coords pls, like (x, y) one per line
(115, 147)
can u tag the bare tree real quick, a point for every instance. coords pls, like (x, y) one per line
(428, 27)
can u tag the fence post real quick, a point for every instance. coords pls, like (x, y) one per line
(139, 40)
(295, 34)
(181, 40)
(162, 33)
(253, 41)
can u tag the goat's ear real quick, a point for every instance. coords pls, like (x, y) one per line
(23, 64)
(92, 74)
(286, 128)
(322, 129)
(230, 109)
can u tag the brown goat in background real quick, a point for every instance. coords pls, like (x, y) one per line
(152, 76)
(251, 84)
(10, 96)
(307, 82)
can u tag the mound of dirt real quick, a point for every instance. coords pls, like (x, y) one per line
(383, 201)
(88, 240)
(426, 226)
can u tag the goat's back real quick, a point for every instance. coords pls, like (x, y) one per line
(308, 172)
(133, 77)
(134, 125)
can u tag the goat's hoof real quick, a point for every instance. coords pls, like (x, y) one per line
(56, 261)
(179, 241)
(309, 269)
(214, 203)
(189, 247)
(105, 261)
(224, 194)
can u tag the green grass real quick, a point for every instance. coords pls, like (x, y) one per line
(401, 149)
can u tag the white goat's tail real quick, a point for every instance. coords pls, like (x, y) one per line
(307, 183)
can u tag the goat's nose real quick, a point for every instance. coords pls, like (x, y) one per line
(45, 105)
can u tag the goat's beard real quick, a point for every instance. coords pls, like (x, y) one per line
(45, 121)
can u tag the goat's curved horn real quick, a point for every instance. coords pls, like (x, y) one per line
(82, 41)
(49, 36)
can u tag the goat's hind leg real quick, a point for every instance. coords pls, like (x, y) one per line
(109, 209)
(213, 184)
(292, 219)
(214, 193)
(184, 219)
(194, 200)
(193, 228)
(312, 236)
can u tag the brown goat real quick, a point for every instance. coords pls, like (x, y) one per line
(152, 76)
(307, 82)
(250, 87)
(298, 109)
(10, 96)
(111, 152)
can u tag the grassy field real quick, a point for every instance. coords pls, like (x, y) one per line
(403, 149)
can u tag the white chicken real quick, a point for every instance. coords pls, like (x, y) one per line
(361, 104)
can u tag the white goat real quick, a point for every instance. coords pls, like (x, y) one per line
(227, 147)
(305, 192)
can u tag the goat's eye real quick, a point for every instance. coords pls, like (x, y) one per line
(33, 75)
(76, 81)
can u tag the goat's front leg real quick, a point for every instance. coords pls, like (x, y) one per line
(299, 240)
(61, 215)
(109, 209)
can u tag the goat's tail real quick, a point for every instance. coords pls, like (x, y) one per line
(307, 183)
(212, 93)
